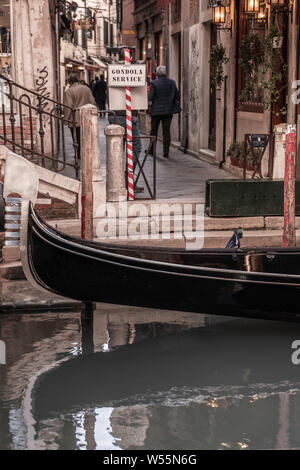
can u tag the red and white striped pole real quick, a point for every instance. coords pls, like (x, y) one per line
(289, 232)
(129, 143)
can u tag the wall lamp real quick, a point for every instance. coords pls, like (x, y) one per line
(219, 13)
(282, 6)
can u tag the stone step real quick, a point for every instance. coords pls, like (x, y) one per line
(212, 239)
(148, 207)
(159, 224)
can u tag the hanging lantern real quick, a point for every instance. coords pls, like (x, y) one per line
(261, 16)
(218, 14)
(252, 6)
(277, 2)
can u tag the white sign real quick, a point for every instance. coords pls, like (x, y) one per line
(117, 98)
(126, 75)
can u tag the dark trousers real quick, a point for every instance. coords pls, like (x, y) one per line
(77, 138)
(101, 105)
(166, 123)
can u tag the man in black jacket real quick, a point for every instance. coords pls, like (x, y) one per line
(164, 100)
(100, 89)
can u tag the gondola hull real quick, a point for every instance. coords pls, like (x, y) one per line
(256, 283)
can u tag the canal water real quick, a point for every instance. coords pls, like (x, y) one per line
(146, 379)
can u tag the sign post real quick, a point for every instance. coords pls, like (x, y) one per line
(129, 143)
(128, 92)
(289, 233)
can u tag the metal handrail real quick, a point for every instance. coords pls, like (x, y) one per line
(141, 164)
(40, 132)
(107, 111)
(33, 92)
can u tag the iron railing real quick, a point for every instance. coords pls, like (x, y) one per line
(250, 145)
(33, 125)
(142, 175)
(145, 175)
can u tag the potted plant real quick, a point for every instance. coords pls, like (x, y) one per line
(217, 60)
(236, 155)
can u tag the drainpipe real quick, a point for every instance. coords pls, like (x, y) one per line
(58, 85)
(224, 123)
(236, 21)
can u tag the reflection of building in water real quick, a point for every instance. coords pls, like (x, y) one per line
(116, 325)
(204, 418)
(129, 425)
(238, 421)
(34, 343)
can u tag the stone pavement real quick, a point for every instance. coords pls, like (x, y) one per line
(181, 177)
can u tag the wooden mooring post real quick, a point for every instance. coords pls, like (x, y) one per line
(93, 186)
(86, 140)
(289, 231)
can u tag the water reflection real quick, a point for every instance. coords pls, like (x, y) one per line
(133, 378)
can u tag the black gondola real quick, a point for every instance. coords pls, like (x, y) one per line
(258, 283)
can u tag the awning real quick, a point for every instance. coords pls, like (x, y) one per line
(91, 68)
(76, 63)
(101, 64)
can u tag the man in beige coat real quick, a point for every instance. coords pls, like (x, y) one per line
(75, 96)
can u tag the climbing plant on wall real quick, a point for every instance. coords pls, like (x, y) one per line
(217, 60)
(273, 68)
(250, 59)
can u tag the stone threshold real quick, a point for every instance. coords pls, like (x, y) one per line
(72, 227)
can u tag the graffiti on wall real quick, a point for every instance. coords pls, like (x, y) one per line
(42, 86)
(194, 75)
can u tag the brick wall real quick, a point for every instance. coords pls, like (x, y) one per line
(127, 27)
(56, 209)
(27, 139)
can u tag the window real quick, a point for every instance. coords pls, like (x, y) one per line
(248, 28)
(176, 11)
(111, 35)
(89, 33)
(142, 49)
(159, 48)
(105, 33)
(75, 37)
(5, 40)
(83, 38)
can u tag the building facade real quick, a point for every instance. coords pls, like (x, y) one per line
(151, 25)
(199, 39)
